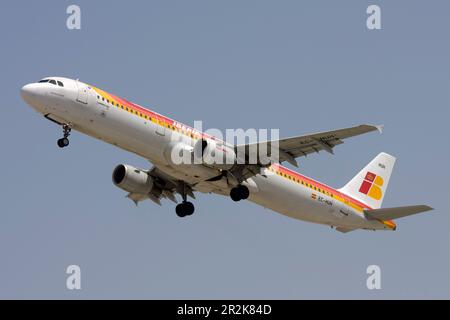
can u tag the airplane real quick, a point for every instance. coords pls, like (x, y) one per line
(75, 105)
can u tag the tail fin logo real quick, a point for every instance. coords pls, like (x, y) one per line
(371, 186)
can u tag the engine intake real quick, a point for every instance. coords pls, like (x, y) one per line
(132, 179)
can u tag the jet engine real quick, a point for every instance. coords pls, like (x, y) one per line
(132, 179)
(214, 154)
(179, 154)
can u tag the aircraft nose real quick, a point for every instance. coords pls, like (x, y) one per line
(28, 92)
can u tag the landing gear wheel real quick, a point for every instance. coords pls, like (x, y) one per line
(60, 143)
(239, 193)
(184, 209)
(235, 195)
(64, 141)
(244, 192)
(179, 209)
(189, 207)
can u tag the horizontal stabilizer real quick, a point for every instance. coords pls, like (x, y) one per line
(394, 213)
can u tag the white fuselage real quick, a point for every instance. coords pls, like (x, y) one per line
(90, 111)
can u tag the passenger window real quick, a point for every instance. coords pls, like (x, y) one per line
(60, 84)
(53, 82)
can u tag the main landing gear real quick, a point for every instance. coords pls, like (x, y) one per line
(240, 192)
(185, 208)
(64, 141)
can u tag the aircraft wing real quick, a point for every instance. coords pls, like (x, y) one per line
(294, 147)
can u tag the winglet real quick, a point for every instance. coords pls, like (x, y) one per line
(380, 128)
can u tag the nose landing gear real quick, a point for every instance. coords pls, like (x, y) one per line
(64, 141)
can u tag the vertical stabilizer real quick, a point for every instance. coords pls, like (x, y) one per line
(370, 184)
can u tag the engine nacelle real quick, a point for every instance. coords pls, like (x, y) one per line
(214, 154)
(132, 179)
(179, 154)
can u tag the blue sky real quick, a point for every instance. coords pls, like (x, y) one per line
(300, 66)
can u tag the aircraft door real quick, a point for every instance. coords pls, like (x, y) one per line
(83, 93)
(344, 208)
(160, 126)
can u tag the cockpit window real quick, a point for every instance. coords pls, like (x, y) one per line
(52, 81)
